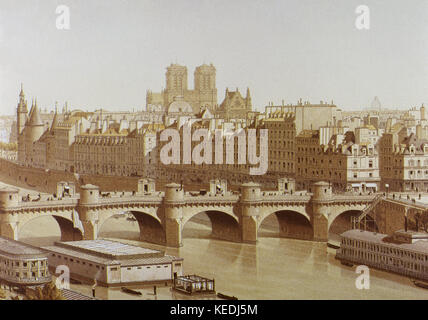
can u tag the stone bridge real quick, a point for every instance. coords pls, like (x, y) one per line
(391, 212)
(162, 215)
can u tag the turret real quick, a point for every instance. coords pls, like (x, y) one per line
(89, 194)
(321, 191)
(250, 192)
(174, 192)
(35, 124)
(8, 198)
(21, 112)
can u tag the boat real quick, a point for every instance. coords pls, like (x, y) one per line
(420, 284)
(226, 297)
(405, 252)
(130, 291)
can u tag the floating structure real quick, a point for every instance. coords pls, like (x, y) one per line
(113, 263)
(405, 252)
(193, 284)
(22, 264)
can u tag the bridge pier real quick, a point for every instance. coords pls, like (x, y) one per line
(89, 199)
(174, 198)
(8, 221)
(322, 195)
(249, 228)
(173, 233)
(9, 229)
(91, 229)
(250, 211)
(320, 227)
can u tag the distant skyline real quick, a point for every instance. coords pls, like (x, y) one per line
(282, 50)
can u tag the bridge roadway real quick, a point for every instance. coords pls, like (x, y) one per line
(161, 215)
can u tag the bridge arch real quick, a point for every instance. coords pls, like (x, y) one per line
(64, 221)
(341, 222)
(224, 223)
(291, 223)
(150, 227)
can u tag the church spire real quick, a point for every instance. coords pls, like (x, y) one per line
(21, 94)
(55, 118)
(248, 103)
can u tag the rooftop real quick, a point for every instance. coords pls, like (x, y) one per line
(419, 246)
(15, 248)
(111, 252)
(109, 249)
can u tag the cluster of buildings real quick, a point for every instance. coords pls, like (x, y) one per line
(364, 151)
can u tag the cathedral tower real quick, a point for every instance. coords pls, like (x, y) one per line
(205, 86)
(176, 80)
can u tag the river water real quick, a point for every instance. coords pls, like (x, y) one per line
(275, 268)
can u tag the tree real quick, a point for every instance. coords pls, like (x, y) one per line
(48, 292)
(2, 294)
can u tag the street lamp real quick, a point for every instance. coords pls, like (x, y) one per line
(387, 188)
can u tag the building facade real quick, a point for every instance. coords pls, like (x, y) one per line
(114, 263)
(204, 93)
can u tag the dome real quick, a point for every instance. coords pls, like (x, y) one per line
(180, 106)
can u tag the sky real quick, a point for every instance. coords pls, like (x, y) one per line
(281, 49)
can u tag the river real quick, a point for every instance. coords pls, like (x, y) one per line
(275, 268)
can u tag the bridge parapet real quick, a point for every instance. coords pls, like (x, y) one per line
(354, 198)
(51, 203)
(210, 198)
(131, 200)
(286, 198)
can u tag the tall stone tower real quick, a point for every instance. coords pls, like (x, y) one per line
(176, 81)
(205, 86)
(21, 120)
(21, 112)
(248, 102)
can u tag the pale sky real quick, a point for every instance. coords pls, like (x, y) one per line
(283, 49)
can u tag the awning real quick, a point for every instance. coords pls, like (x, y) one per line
(371, 185)
(356, 185)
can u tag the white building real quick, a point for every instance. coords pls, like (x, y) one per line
(114, 263)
